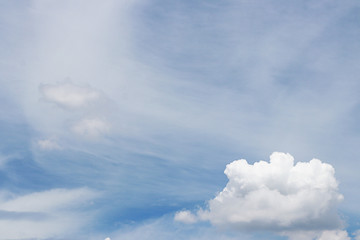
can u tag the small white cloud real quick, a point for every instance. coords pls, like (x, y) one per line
(107, 239)
(69, 95)
(91, 128)
(277, 196)
(48, 144)
(185, 217)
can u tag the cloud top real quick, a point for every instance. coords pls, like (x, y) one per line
(277, 195)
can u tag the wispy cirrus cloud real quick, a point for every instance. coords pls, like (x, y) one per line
(4, 159)
(47, 214)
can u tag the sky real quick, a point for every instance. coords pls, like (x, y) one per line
(153, 119)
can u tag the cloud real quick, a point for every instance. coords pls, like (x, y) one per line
(85, 110)
(337, 234)
(48, 200)
(48, 144)
(277, 196)
(254, 89)
(185, 217)
(4, 159)
(91, 128)
(334, 235)
(69, 95)
(357, 235)
(163, 229)
(46, 214)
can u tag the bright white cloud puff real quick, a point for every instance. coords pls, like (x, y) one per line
(69, 95)
(277, 196)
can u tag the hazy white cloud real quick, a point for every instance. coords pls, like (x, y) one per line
(337, 234)
(45, 214)
(357, 235)
(72, 96)
(48, 144)
(4, 159)
(163, 229)
(48, 200)
(277, 196)
(91, 128)
(69, 95)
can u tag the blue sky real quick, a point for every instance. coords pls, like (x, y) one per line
(117, 116)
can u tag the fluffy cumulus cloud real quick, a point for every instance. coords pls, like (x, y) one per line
(44, 214)
(278, 196)
(69, 95)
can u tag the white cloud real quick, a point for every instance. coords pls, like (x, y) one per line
(276, 196)
(185, 217)
(48, 200)
(45, 214)
(69, 95)
(89, 108)
(334, 235)
(163, 229)
(301, 235)
(357, 235)
(337, 234)
(91, 128)
(48, 144)
(298, 121)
